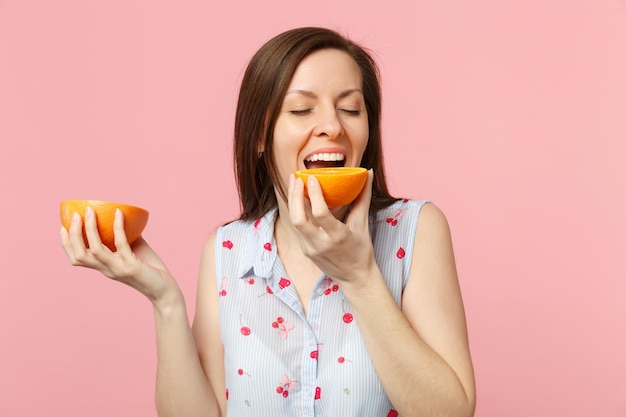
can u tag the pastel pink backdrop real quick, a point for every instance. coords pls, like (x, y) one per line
(511, 116)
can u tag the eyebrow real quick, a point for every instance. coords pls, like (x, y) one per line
(313, 95)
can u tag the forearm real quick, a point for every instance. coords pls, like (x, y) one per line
(418, 382)
(182, 389)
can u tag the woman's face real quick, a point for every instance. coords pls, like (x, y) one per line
(322, 120)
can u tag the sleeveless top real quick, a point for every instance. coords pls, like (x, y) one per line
(279, 361)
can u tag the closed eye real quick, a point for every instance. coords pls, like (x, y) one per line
(351, 112)
(300, 112)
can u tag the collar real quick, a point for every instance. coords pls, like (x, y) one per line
(260, 253)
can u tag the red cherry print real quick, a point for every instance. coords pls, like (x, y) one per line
(400, 254)
(341, 359)
(392, 413)
(393, 220)
(240, 371)
(223, 287)
(406, 200)
(330, 286)
(250, 281)
(284, 327)
(314, 354)
(226, 394)
(227, 244)
(284, 282)
(284, 385)
(245, 330)
(347, 316)
(275, 325)
(257, 223)
(318, 393)
(268, 290)
(268, 247)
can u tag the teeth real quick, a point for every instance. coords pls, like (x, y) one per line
(326, 157)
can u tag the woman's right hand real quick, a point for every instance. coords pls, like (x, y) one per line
(137, 266)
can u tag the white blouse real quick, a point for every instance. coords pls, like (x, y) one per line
(281, 362)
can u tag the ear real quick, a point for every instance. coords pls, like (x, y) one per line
(260, 150)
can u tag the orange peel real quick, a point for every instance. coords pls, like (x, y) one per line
(340, 186)
(135, 219)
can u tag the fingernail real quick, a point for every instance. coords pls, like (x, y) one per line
(75, 217)
(292, 180)
(88, 212)
(311, 180)
(118, 213)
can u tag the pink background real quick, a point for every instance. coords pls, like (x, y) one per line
(510, 115)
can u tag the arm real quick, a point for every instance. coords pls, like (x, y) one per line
(420, 352)
(182, 389)
(206, 326)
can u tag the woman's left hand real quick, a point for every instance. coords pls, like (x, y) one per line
(343, 251)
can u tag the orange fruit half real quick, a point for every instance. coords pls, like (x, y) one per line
(135, 218)
(340, 186)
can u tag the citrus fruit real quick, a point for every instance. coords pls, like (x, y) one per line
(135, 218)
(340, 186)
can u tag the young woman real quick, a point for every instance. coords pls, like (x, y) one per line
(302, 309)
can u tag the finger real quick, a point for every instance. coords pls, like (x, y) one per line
(91, 230)
(316, 196)
(65, 244)
(76, 239)
(361, 207)
(119, 235)
(295, 197)
(320, 213)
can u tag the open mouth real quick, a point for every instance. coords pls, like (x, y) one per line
(325, 160)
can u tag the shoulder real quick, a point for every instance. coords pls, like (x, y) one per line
(403, 213)
(399, 206)
(432, 226)
(426, 215)
(236, 225)
(207, 261)
(233, 235)
(432, 252)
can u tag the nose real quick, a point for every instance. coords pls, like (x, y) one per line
(328, 124)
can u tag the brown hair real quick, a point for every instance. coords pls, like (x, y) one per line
(263, 88)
